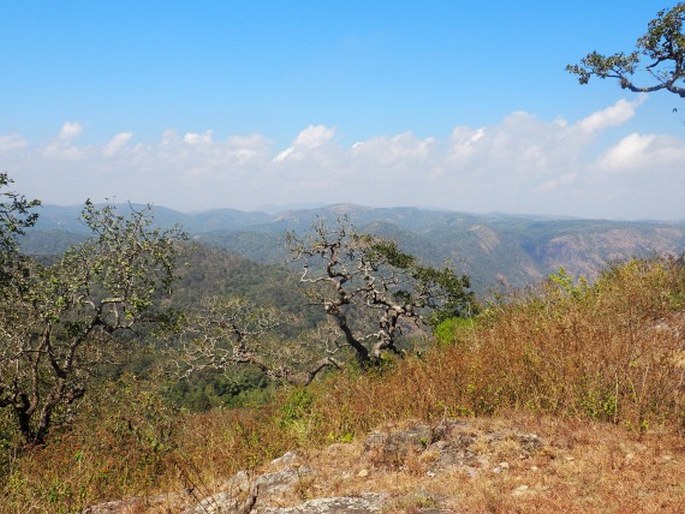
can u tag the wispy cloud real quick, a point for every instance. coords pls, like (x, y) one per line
(11, 142)
(116, 143)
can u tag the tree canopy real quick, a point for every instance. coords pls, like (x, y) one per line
(663, 49)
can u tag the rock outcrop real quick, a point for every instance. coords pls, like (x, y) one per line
(380, 474)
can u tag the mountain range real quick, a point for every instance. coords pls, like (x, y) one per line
(498, 251)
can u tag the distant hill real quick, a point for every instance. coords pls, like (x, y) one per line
(54, 217)
(496, 250)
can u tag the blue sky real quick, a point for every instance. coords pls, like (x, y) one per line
(450, 104)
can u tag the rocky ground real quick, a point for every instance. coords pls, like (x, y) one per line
(452, 466)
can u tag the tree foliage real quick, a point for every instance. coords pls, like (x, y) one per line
(372, 291)
(59, 321)
(15, 215)
(663, 47)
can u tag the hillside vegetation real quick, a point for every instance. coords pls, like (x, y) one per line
(345, 358)
(597, 370)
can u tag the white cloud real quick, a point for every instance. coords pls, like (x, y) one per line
(307, 143)
(643, 152)
(520, 146)
(247, 150)
(612, 116)
(463, 143)
(249, 141)
(198, 139)
(116, 143)
(62, 147)
(521, 164)
(70, 130)
(390, 150)
(314, 136)
(282, 156)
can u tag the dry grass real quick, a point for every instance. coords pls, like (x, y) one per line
(608, 352)
(596, 370)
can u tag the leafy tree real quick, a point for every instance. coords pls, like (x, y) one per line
(58, 322)
(15, 216)
(663, 46)
(372, 291)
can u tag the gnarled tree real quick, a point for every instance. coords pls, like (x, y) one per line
(226, 332)
(233, 331)
(663, 47)
(58, 322)
(372, 291)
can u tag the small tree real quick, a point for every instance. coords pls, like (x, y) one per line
(663, 45)
(58, 322)
(372, 291)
